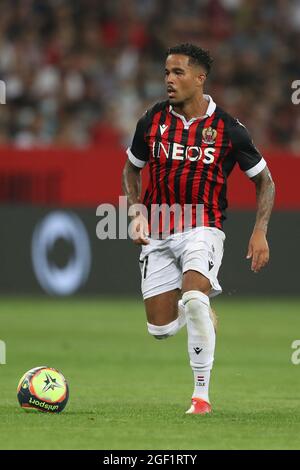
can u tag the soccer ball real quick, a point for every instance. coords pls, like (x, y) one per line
(44, 389)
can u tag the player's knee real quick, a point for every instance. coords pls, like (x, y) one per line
(193, 300)
(161, 331)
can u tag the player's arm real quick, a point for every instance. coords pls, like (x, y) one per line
(138, 155)
(258, 248)
(253, 164)
(132, 187)
(132, 183)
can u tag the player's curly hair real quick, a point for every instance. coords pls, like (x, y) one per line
(196, 54)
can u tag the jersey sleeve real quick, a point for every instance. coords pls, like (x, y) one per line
(246, 154)
(138, 152)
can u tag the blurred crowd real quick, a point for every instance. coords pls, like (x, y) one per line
(78, 72)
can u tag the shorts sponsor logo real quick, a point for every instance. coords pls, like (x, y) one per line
(210, 265)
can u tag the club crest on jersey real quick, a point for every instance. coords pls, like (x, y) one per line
(209, 135)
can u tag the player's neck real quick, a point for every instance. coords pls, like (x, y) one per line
(197, 107)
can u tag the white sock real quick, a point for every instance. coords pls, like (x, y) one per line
(201, 384)
(181, 315)
(201, 340)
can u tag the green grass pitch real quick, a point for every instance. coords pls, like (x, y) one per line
(129, 391)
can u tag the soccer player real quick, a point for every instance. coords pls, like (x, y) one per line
(191, 146)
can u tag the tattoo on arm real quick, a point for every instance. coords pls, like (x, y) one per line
(131, 183)
(265, 193)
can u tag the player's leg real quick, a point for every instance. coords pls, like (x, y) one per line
(201, 261)
(212, 312)
(165, 314)
(214, 318)
(201, 335)
(161, 283)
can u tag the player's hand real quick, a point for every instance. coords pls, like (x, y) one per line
(139, 230)
(258, 250)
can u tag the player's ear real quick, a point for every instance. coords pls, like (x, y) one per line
(201, 77)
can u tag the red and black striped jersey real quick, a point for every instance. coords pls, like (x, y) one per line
(190, 161)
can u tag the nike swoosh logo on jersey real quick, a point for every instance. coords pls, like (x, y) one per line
(163, 128)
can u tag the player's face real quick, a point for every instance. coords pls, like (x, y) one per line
(183, 80)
